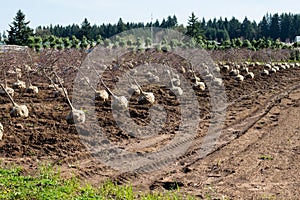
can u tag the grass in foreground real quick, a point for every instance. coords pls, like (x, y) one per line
(48, 184)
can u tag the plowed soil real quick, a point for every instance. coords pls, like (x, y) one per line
(256, 157)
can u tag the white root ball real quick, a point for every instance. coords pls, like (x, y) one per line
(10, 72)
(190, 72)
(245, 70)
(205, 72)
(182, 70)
(154, 79)
(239, 78)
(195, 78)
(9, 90)
(265, 72)
(151, 77)
(268, 66)
(250, 75)
(147, 97)
(176, 76)
(19, 85)
(19, 111)
(208, 77)
(51, 86)
(149, 74)
(217, 82)
(16, 72)
(75, 117)
(101, 95)
(134, 89)
(1, 131)
(287, 65)
(176, 90)
(234, 72)
(199, 85)
(119, 103)
(216, 69)
(272, 70)
(277, 68)
(226, 68)
(176, 82)
(282, 67)
(32, 89)
(27, 68)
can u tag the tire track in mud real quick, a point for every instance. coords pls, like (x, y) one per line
(230, 133)
(241, 126)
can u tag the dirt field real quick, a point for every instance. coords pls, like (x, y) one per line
(256, 157)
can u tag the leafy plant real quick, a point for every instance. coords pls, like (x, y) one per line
(265, 157)
(47, 184)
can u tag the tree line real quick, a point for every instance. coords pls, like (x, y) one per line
(283, 27)
(271, 30)
(92, 32)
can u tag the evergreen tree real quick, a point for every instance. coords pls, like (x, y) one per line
(171, 22)
(286, 27)
(234, 28)
(85, 29)
(264, 28)
(163, 24)
(222, 35)
(174, 21)
(121, 26)
(275, 27)
(211, 33)
(19, 30)
(42, 32)
(194, 27)
(203, 23)
(156, 23)
(247, 29)
(295, 26)
(226, 24)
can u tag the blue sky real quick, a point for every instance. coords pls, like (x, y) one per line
(64, 12)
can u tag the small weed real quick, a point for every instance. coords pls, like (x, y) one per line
(265, 157)
(85, 111)
(268, 197)
(29, 125)
(30, 153)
